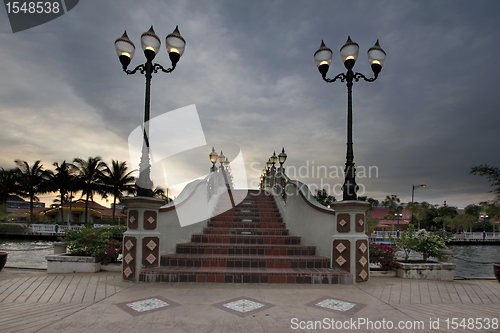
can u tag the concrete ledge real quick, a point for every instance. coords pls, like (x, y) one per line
(112, 267)
(383, 273)
(428, 271)
(65, 263)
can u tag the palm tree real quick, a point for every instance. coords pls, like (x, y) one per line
(61, 181)
(89, 173)
(117, 180)
(8, 185)
(32, 180)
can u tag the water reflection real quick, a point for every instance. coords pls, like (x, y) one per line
(475, 260)
(26, 253)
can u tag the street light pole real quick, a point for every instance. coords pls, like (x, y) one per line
(413, 201)
(484, 217)
(349, 54)
(125, 50)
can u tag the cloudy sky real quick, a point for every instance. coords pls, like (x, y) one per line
(248, 68)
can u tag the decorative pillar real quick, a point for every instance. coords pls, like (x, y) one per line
(141, 241)
(350, 252)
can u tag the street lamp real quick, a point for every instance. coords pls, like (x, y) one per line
(222, 158)
(398, 215)
(349, 54)
(150, 44)
(413, 200)
(274, 159)
(484, 216)
(282, 158)
(213, 158)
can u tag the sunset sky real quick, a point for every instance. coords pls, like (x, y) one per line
(248, 67)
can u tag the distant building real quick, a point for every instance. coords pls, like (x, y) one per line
(15, 203)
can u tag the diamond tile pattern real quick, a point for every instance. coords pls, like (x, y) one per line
(243, 305)
(334, 304)
(340, 260)
(129, 245)
(342, 222)
(147, 304)
(363, 247)
(127, 271)
(151, 219)
(341, 247)
(128, 258)
(363, 274)
(151, 258)
(363, 261)
(151, 245)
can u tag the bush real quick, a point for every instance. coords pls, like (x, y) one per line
(383, 255)
(6, 228)
(93, 242)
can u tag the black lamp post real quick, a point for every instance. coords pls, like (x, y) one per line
(125, 50)
(349, 54)
(398, 215)
(484, 217)
(282, 158)
(213, 158)
(413, 200)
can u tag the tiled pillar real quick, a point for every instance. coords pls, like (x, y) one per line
(141, 241)
(350, 251)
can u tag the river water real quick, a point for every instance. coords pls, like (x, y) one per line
(471, 260)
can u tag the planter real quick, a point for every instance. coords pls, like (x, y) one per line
(3, 259)
(446, 255)
(66, 263)
(496, 270)
(59, 247)
(426, 270)
(375, 273)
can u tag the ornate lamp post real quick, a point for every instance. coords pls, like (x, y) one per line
(213, 158)
(222, 158)
(413, 200)
(150, 44)
(484, 216)
(398, 215)
(348, 55)
(282, 158)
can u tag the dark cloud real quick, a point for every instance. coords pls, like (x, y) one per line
(248, 67)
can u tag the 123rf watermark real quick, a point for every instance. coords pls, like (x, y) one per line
(362, 324)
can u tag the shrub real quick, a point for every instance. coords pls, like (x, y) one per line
(383, 255)
(93, 242)
(7, 228)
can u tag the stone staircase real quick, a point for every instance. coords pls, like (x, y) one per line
(247, 243)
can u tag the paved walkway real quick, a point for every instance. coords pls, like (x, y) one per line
(34, 301)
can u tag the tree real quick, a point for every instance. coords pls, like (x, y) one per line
(61, 181)
(32, 180)
(392, 202)
(89, 173)
(492, 173)
(158, 192)
(117, 180)
(8, 186)
(324, 198)
(371, 222)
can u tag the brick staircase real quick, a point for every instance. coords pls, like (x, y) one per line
(248, 243)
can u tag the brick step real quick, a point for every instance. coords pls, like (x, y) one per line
(218, 260)
(228, 210)
(171, 274)
(267, 249)
(250, 225)
(239, 231)
(246, 239)
(246, 219)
